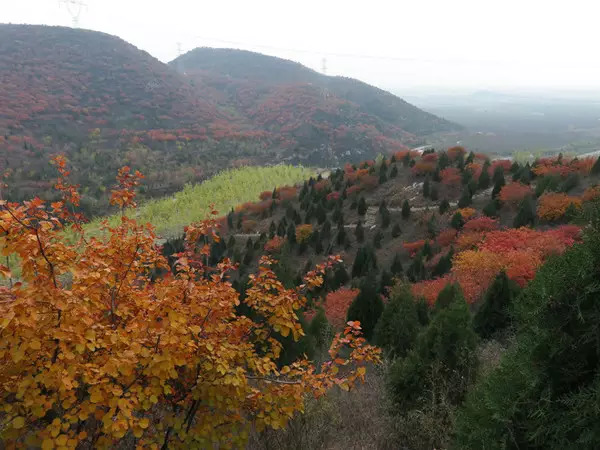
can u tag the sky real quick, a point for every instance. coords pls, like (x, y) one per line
(397, 45)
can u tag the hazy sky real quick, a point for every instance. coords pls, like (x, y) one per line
(392, 44)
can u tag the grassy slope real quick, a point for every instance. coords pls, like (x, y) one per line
(225, 191)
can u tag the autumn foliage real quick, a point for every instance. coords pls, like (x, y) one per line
(430, 289)
(554, 205)
(303, 232)
(451, 176)
(336, 305)
(591, 193)
(482, 255)
(446, 237)
(413, 247)
(563, 166)
(481, 224)
(274, 244)
(513, 193)
(95, 352)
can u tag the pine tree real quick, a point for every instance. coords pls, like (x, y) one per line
(340, 276)
(498, 176)
(362, 207)
(359, 232)
(364, 262)
(406, 160)
(497, 188)
(291, 234)
(396, 231)
(320, 330)
(318, 247)
(321, 214)
(433, 193)
(443, 161)
(465, 199)
(444, 206)
(426, 250)
(326, 230)
(571, 212)
(432, 226)
(526, 214)
(470, 158)
(457, 221)
(230, 220)
(337, 214)
(443, 354)
(281, 229)
(341, 236)
(444, 265)
(377, 238)
(248, 257)
(405, 209)
(394, 171)
(359, 263)
(426, 187)
(272, 229)
(366, 307)
(396, 267)
(382, 177)
(484, 179)
(493, 314)
(385, 282)
(596, 167)
(491, 208)
(386, 218)
(416, 270)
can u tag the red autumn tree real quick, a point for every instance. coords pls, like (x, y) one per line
(337, 304)
(451, 176)
(430, 289)
(513, 193)
(413, 247)
(455, 152)
(481, 224)
(274, 244)
(446, 237)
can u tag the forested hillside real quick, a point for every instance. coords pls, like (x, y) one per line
(104, 104)
(462, 290)
(318, 119)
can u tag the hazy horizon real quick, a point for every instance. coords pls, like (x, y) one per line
(426, 46)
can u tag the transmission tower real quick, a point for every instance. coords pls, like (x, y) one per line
(324, 66)
(179, 51)
(74, 8)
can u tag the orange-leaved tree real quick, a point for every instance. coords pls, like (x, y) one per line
(554, 205)
(95, 351)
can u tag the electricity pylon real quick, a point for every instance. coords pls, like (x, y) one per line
(74, 7)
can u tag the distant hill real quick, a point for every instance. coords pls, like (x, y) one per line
(104, 103)
(318, 118)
